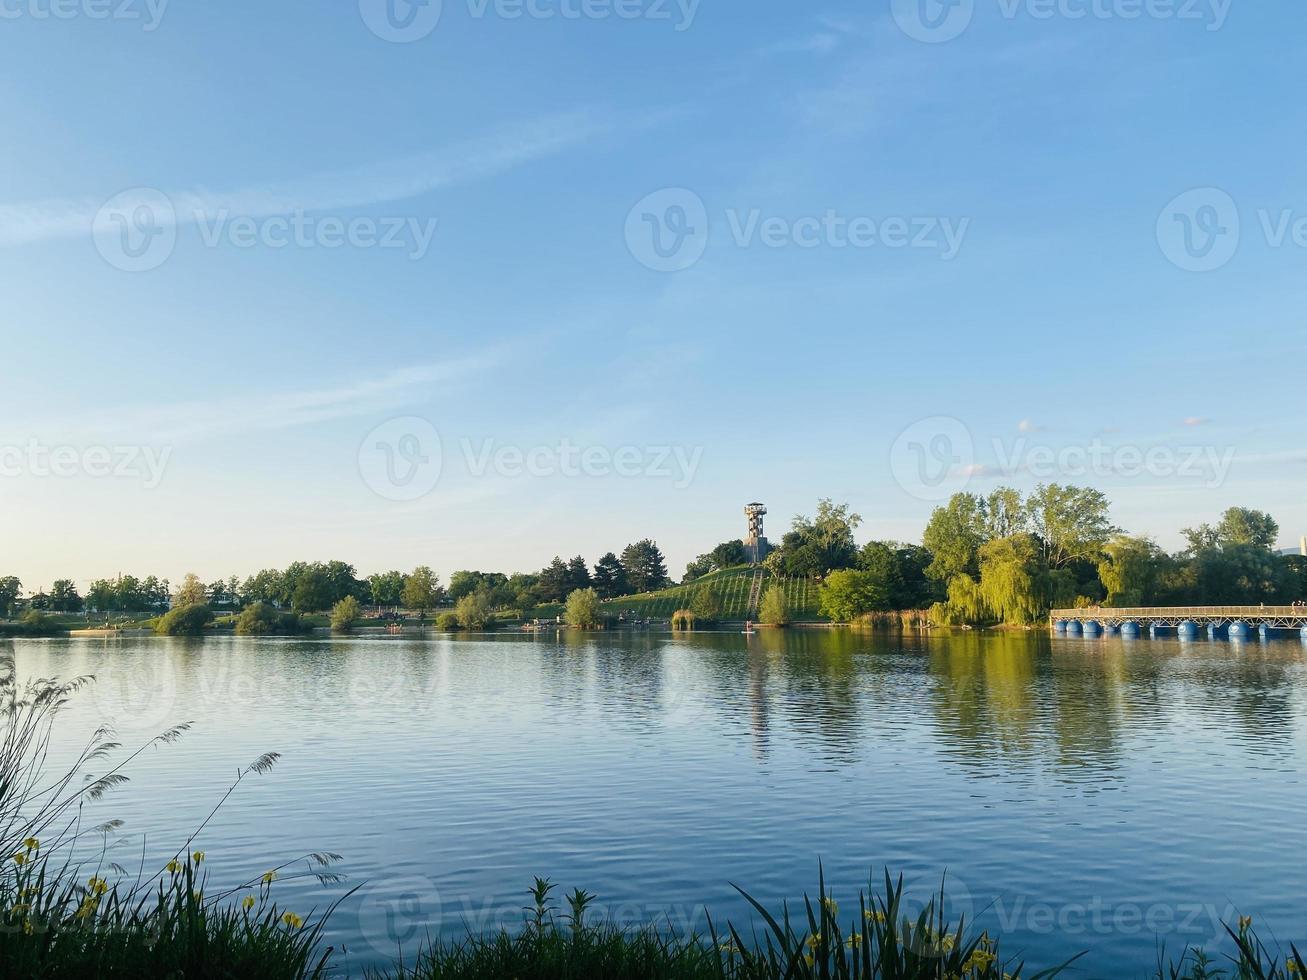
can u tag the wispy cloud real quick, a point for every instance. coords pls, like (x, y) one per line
(496, 152)
(197, 420)
(1194, 421)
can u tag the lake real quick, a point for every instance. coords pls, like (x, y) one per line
(1080, 794)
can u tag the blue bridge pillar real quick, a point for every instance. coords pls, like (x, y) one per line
(1130, 629)
(1239, 630)
(1188, 630)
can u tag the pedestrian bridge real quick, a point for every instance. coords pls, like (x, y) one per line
(1236, 622)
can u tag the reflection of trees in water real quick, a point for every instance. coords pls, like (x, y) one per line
(1000, 702)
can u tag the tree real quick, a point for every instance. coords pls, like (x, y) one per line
(192, 592)
(816, 546)
(386, 588)
(261, 619)
(10, 589)
(729, 554)
(646, 571)
(1071, 522)
(266, 586)
(954, 536)
(880, 560)
(578, 574)
(583, 610)
(313, 591)
(101, 595)
(1238, 526)
(1013, 580)
(553, 582)
(1005, 513)
(188, 620)
(463, 583)
(706, 604)
(344, 614)
(610, 577)
(773, 610)
(1129, 570)
(848, 593)
(63, 596)
(473, 611)
(698, 568)
(421, 590)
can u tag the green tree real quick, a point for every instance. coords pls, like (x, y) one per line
(1013, 580)
(773, 610)
(192, 591)
(1070, 522)
(10, 589)
(1129, 570)
(848, 593)
(646, 570)
(553, 583)
(610, 577)
(345, 614)
(473, 611)
(583, 610)
(1005, 513)
(64, 597)
(188, 620)
(262, 619)
(386, 588)
(447, 622)
(313, 591)
(954, 536)
(421, 590)
(578, 574)
(706, 604)
(1238, 526)
(101, 595)
(815, 546)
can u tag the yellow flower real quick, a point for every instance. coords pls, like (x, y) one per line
(814, 940)
(269, 877)
(832, 906)
(173, 866)
(1245, 923)
(1292, 966)
(20, 859)
(197, 857)
(855, 940)
(27, 927)
(247, 902)
(97, 886)
(292, 920)
(874, 915)
(32, 844)
(979, 960)
(807, 958)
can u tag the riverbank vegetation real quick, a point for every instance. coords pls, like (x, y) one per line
(1001, 558)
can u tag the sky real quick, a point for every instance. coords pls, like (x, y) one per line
(474, 283)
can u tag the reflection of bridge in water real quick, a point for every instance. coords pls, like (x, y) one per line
(1235, 622)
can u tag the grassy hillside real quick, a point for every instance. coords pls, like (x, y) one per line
(732, 584)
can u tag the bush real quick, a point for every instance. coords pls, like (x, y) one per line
(683, 619)
(344, 614)
(473, 611)
(33, 623)
(706, 604)
(262, 619)
(773, 611)
(184, 620)
(583, 609)
(447, 622)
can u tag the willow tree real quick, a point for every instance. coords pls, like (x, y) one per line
(1013, 580)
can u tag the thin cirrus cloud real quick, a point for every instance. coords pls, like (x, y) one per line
(489, 155)
(205, 419)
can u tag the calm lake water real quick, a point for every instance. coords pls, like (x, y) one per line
(1080, 794)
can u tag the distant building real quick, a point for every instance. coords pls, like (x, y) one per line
(755, 543)
(1302, 546)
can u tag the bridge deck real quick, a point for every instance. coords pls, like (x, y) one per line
(1275, 616)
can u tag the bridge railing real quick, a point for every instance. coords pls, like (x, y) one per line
(1182, 612)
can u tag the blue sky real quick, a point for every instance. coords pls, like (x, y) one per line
(1020, 283)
